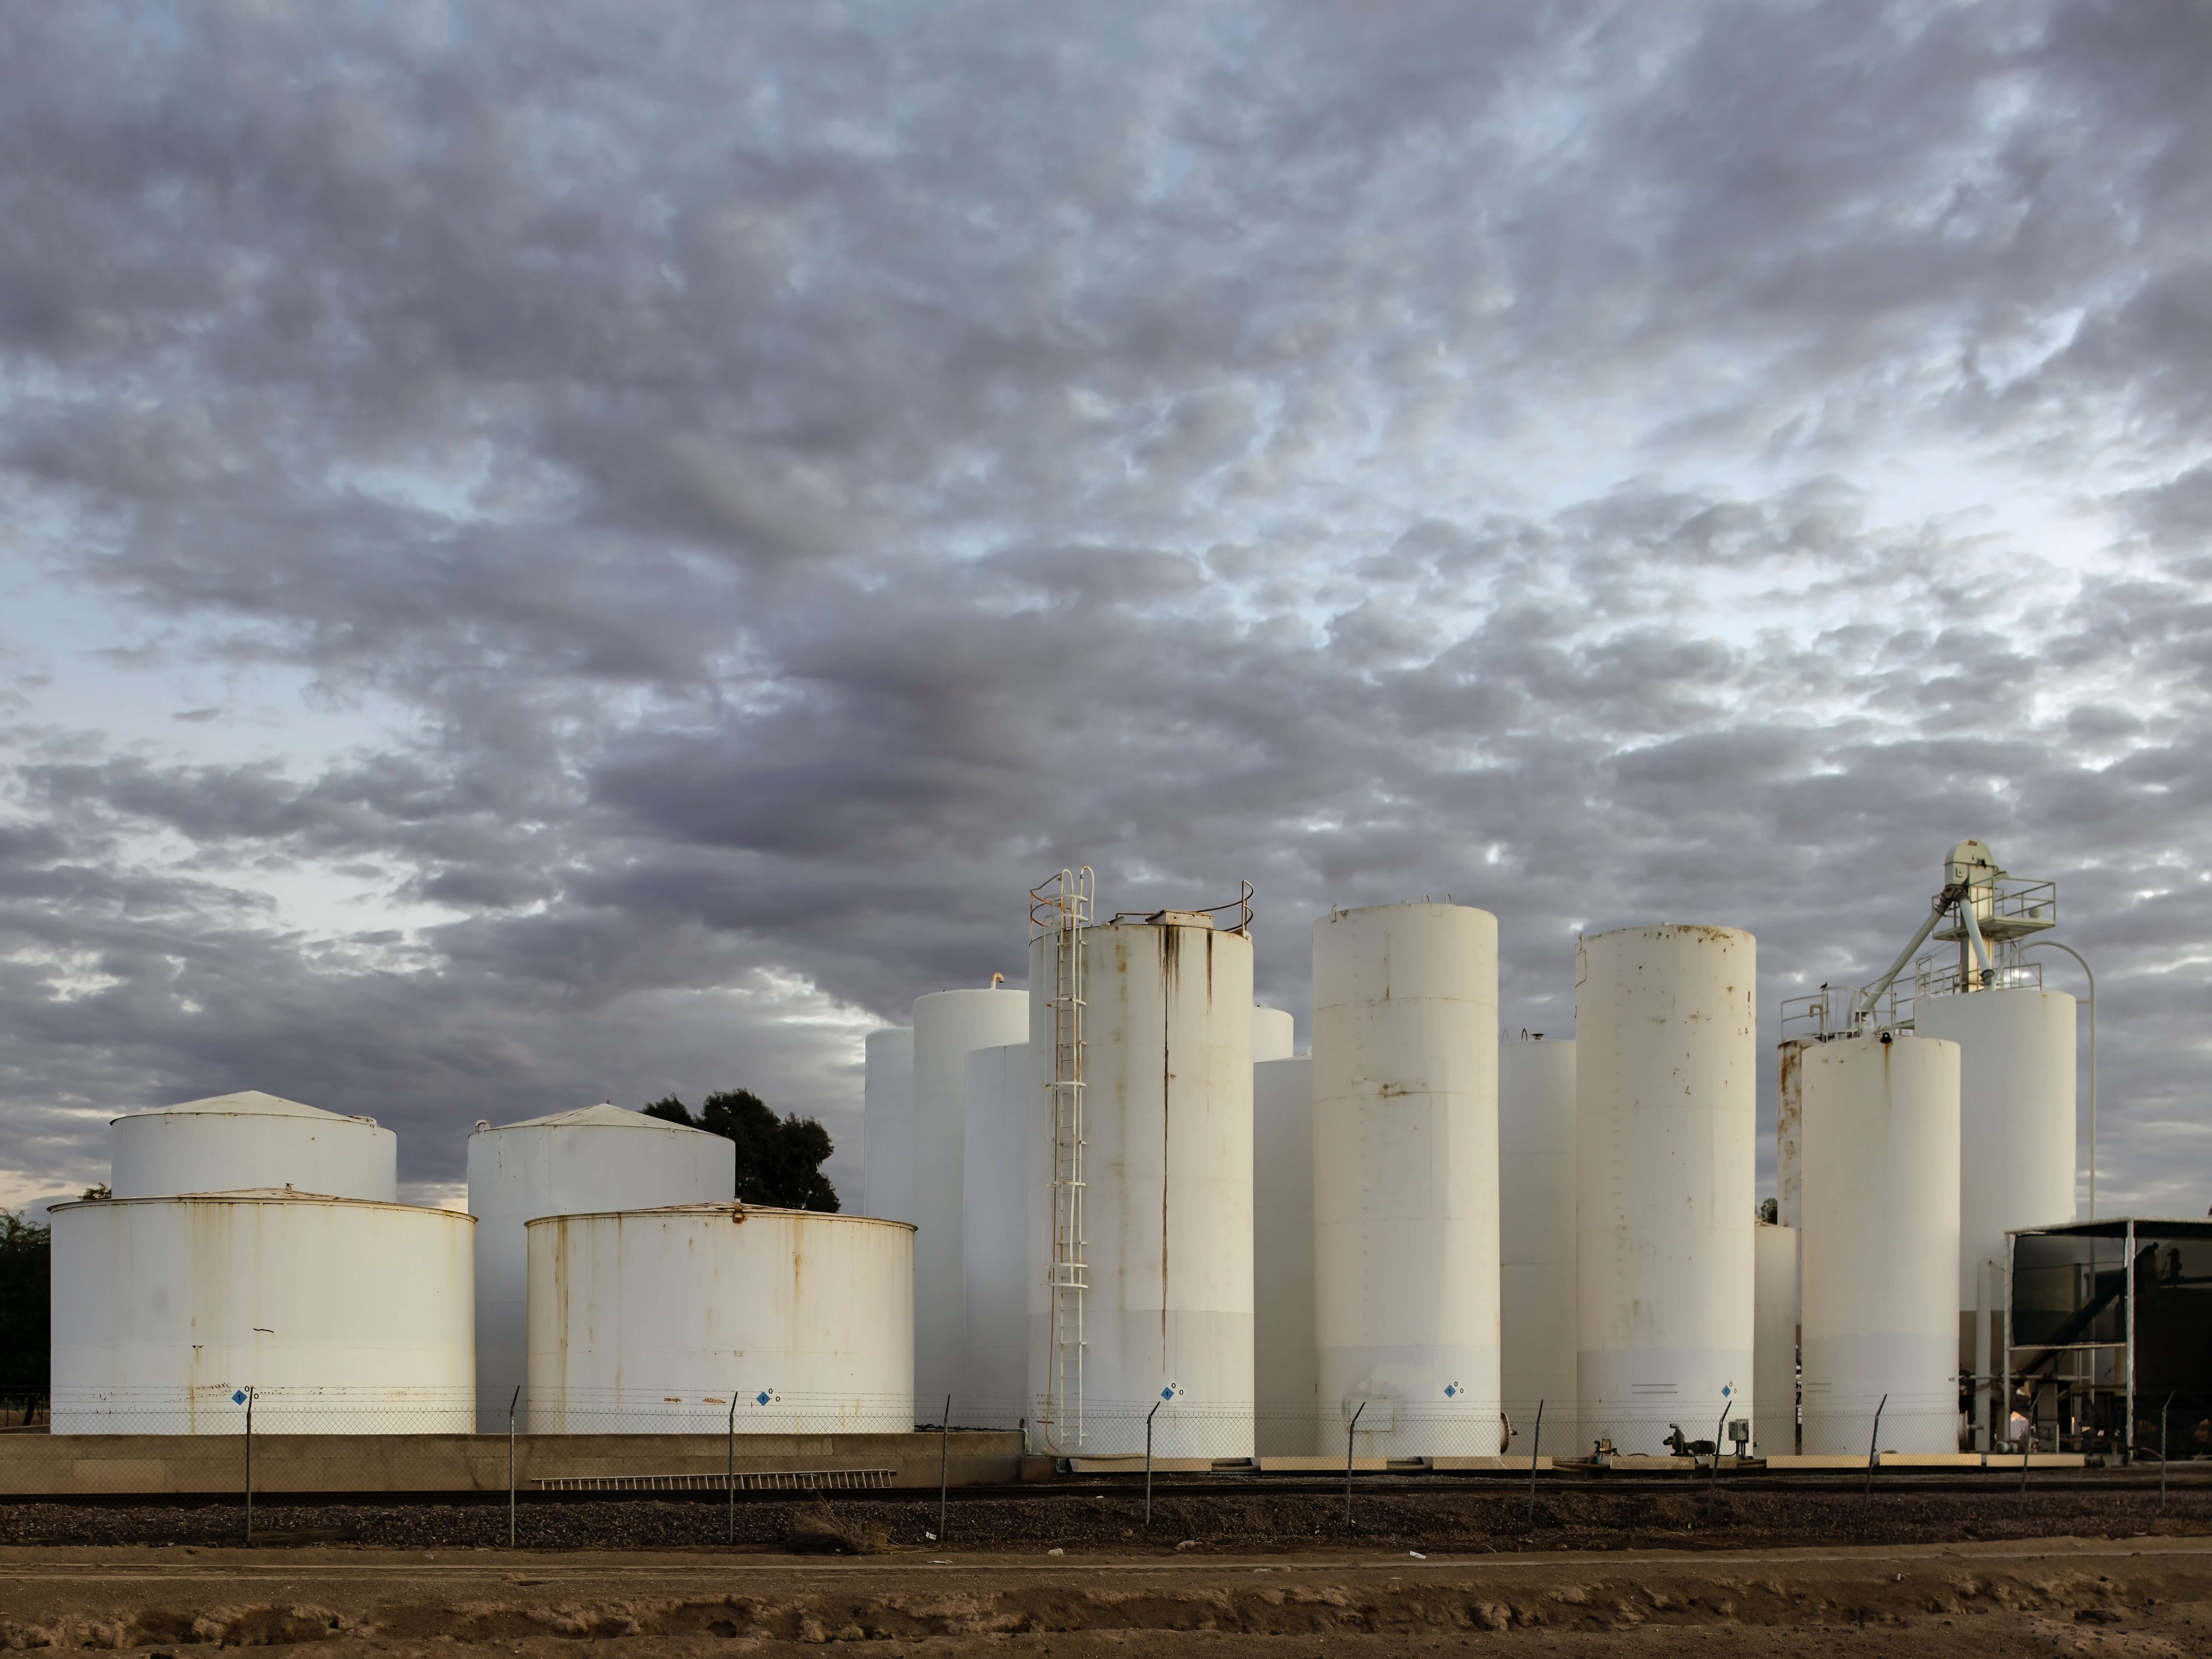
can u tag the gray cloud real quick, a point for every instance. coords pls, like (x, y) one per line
(788, 483)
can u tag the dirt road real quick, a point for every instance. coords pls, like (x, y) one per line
(2139, 1597)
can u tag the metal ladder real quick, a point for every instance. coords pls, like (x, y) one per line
(1066, 907)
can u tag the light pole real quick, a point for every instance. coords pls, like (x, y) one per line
(2053, 944)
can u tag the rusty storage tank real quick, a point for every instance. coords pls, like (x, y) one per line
(668, 1319)
(1146, 1298)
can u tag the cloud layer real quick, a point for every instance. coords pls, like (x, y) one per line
(599, 551)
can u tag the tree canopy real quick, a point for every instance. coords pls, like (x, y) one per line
(25, 1251)
(779, 1158)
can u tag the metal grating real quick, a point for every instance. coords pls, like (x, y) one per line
(745, 1480)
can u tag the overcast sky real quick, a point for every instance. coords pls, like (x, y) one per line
(551, 552)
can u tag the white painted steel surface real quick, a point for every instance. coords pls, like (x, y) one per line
(1285, 1368)
(347, 1317)
(1406, 1144)
(948, 1027)
(1274, 1035)
(1536, 1237)
(227, 1143)
(2015, 1115)
(1665, 1179)
(887, 1125)
(1774, 1341)
(1168, 1123)
(600, 1158)
(1002, 1112)
(1788, 1117)
(650, 1321)
(1881, 1244)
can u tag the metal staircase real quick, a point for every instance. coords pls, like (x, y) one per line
(1064, 907)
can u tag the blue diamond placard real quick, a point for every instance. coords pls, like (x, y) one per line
(763, 1397)
(239, 1399)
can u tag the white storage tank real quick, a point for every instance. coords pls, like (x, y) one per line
(1285, 1368)
(993, 1393)
(1274, 1035)
(1167, 1315)
(227, 1143)
(948, 1027)
(657, 1321)
(887, 1125)
(1881, 1244)
(1774, 1341)
(1536, 1238)
(2015, 1119)
(600, 1158)
(1406, 1144)
(345, 1316)
(1666, 1167)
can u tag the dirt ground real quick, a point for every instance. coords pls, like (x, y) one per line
(2132, 1596)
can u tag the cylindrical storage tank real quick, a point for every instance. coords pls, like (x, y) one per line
(1666, 1170)
(887, 1125)
(1285, 1365)
(2016, 1148)
(647, 1321)
(230, 1143)
(948, 1027)
(1536, 1239)
(1405, 1227)
(600, 1158)
(1774, 1341)
(344, 1317)
(994, 1392)
(1881, 1244)
(1274, 1035)
(1167, 1160)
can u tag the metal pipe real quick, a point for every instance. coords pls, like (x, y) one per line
(2089, 973)
(944, 1458)
(1971, 922)
(1865, 1000)
(511, 1405)
(2128, 1444)
(1535, 1441)
(1350, 1430)
(1874, 1442)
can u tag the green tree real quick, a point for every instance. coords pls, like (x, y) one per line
(779, 1160)
(25, 1299)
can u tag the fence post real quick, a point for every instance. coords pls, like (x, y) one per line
(730, 1466)
(511, 1405)
(1156, 1404)
(944, 1457)
(249, 1466)
(2162, 1411)
(1727, 1406)
(1350, 1428)
(2026, 1442)
(1874, 1440)
(1536, 1442)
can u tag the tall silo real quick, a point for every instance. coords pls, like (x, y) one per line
(1665, 1165)
(229, 1143)
(887, 1124)
(1284, 1366)
(664, 1320)
(1273, 1035)
(600, 1158)
(948, 1027)
(2016, 1144)
(1154, 1297)
(1406, 1224)
(345, 1315)
(1002, 1113)
(1880, 1244)
(1536, 1236)
(1774, 1341)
